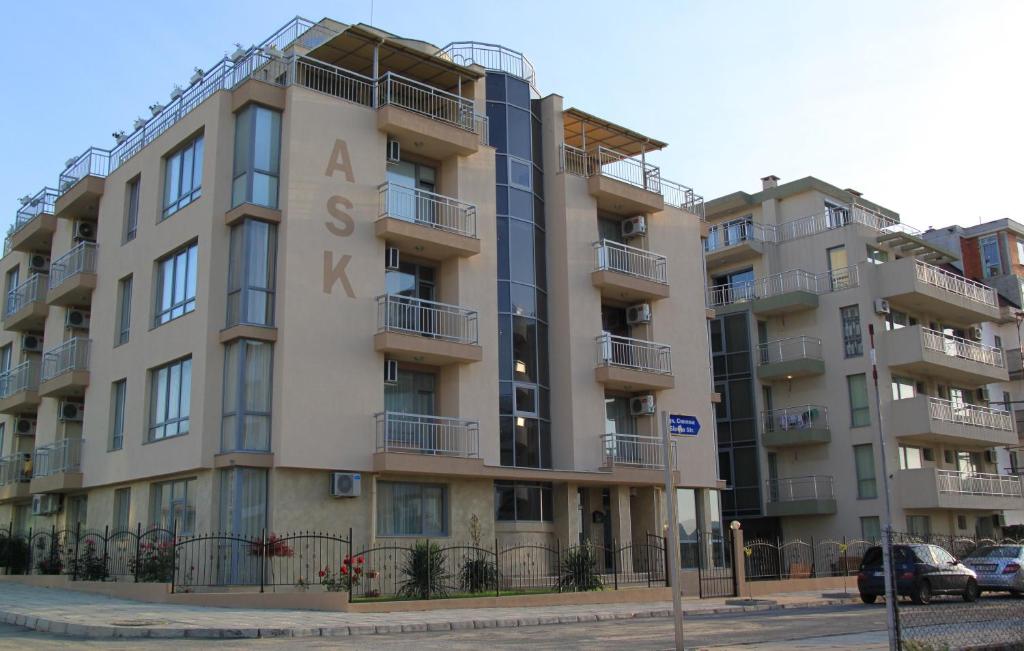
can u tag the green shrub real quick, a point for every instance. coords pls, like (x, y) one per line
(424, 574)
(14, 555)
(478, 574)
(155, 563)
(579, 569)
(90, 566)
(50, 561)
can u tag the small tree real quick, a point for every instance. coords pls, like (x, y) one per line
(479, 573)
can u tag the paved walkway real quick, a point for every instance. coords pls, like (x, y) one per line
(81, 614)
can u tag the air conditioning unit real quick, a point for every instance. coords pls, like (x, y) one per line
(634, 226)
(974, 333)
(394, 151)
(39, 263)
(391, 371)
(637, 314)
(391, 258)
(77, 319)
(991, 457)
(346, 484)
(84, 231)
(45, 504)
(642, 405)
(25, 426)
(71, 412)
(882, 306)
(31, 344)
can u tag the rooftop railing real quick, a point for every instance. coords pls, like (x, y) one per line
(793, 489)
(422, 434)
(72, 355)
(491, 57)
(23, 377)
(80, 259)
(789, 348)
(417, 316)
(38, 204)
(427, 209)
(795, 418)
(682, 197)
(629, 260)
(951, 282)
(832, 218)
(974, 415)
(15, 468)
(31, 291)
(426, 100)
(962, 348)
(636, 354)
(93, 162)
(736, 232)
(633, 450)
(625, 168)
(63, 456)
(977, 483)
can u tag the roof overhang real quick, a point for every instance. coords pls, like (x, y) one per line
(586, 131)
(913, 246)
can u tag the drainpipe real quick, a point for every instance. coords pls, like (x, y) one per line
(376, 71)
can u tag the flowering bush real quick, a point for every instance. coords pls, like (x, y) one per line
(155, 563)
(90, 566)
(275, 547)
(50, 562)
(348, 576)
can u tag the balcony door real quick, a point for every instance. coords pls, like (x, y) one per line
(624, 446)
(838, 267)
(411, 403)
(411, 205)
(409, 282)
(837, 215)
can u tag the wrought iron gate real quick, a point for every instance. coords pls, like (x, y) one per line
(714, 569)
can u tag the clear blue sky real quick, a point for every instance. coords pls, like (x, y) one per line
(916, 104)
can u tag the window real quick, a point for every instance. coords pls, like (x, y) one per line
(864, 459)
(839, 268)
(183, 177)
(919, 525)
(122, 508)
(13, 279)
(117, 415)
(257, 156)
(860, 413)
(521, 501)
(124, 309)
(170, 399)
(910, 458)
(5, 358)
(3, 432)
(176, 284)
(877, 256)
(248, 366)
(520, 173)
(991, 264)
(243, 500)
(78, 506)
(897, 320)
(172, 505)
(1020, 250)
(411, 509)
(853, 345)
(131, 209)
(871, 528)
(251, 270)
(902, 387)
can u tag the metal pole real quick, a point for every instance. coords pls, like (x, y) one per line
(672, 516)
(890, 589)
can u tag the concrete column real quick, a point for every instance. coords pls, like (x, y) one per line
(739, 561)
(567, 513)
(622, 530)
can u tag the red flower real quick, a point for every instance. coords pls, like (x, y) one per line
(323, 573)
(359, 559)
(344, 569)
(347, 561)
(359, 570)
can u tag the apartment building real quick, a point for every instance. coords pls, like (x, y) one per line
(348, 279)
(798, 272)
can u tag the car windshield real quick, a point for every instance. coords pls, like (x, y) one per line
(873, 556)
(997, 551)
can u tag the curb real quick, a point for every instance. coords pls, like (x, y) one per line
(106, 631)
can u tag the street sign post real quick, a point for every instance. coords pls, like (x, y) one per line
(672, 517)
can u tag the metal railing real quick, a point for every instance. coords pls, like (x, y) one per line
(15, 468)
(793, 280)
(427, 209)
(491, 57)
(962, 348)
(682, 197)
(795, 418)
(417, 316)
(977, 483)
(80, 259)
(734, 232)
(792, 489)
(30, 291)
(394, 89)
(781, 283)
(637, 354)
(836, 280)
(422, 434)
(833, 218)
(625, 168)
(41, 203)
(23, 377)
(72, 355)
(951, 282)
(729, 293)
(63, 456)
(332, 80)
(93, 162)
(789, 348)
(629, 260)
(633, 450)
(574, 161)
(964, 414)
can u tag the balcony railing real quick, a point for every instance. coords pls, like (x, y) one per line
(412, 95)
(629, 260)
(969, 289)
(42, 202)
(93, 162)
(962, 348)
(964, 414)
(790, 419)
(23, 377)
(792, 280)
(491, 57)
(793, 489)
(30, 291)
(81, 259)
(736, 232)
(625, 168)
(977, 483)
(63, 456)
(72, 355)
(635, 354)
(633, 450)
(683, 197)
(417, 316)
(421, 434)
(833, 218)
(15, 468)
(427, 209)
(789, 348)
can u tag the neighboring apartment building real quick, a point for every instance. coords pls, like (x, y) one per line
(798, 272)
(347, 279)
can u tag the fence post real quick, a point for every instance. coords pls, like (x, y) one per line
(615, 563)
(430, 561)
(138, 542)
(106, 562)
(814, 559)
(28, 568)
(497, 569)
(53, 544)
(350, 557)
(558, 562)
(263, 559)
(664, 556)
(739, 555)
(74, 559)
(174, 552)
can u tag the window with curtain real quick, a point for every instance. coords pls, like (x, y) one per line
(857, 387)
(252, 263)
(864, 460)
(243, 500)
(176, 284)
(122, 509)
(78, 506)
(919, 525)
(871, 528)
(257, 156)
(248, 370)
(117, 414)
(902, 387)
(183, 176)
(131, 209)
(170, 399)
(853, 345)
(124, 309)
(415, 392)
(991, 264)
(523, 501)
(411, 509)
(172, 505)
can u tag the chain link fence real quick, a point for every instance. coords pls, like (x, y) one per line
(993, 622)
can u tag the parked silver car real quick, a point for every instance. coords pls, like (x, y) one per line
(1000, 568)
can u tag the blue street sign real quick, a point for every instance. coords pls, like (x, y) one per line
(683, 425)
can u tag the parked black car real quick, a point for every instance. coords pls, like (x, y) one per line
(920, 571)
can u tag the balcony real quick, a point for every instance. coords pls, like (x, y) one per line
(72, 277)
(735, 241)
(19, 389)
(66, 369)
(795, 426)
(426, 332)
(34, 224)
(920, 350)
(783, 293)
(439, 124)
(431, 225)
(15, 475)
(914, 285)
(429, 435)
(793, 496)
(622, 184)
(790, 358)
(628, 364)
(57, 467)
(834, 218)
(26, 307)
(626, 273)
(633, 451)
(927, 419)
(934, 488)
(81, 184)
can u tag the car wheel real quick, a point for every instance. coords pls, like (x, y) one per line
(972, 592)
(868, 598)
(922, 593)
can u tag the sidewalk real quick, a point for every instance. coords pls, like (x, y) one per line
(80, 614)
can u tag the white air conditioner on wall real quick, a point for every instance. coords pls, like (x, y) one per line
(31, 344)
(85, 231)
(39, 263)
(638, 314)
(25, 426)
(77, 319)
(974, 333)
(634, 226)
(642, 405)
(882, 306)
(346, 484)
(71, 411)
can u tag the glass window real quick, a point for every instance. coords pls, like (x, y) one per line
(176, 284)
(117, 415)
(13, 280)
(248, 369)
(131, 209)
(990, 261)
(902, 387)
(172, 505)
(183, 175)
(871, 528)
(5, 358)
(910, 457)
(411, 509)
(520, 174)
(839, 268)
(122, 509)
(124, 309)
(919, 525)
(243, 500)
(3, 432)
(77, 509)
(860, 413)
(1020, 251)
(523, 501)
(877, 256)
(257, 156)
(170, 399)
(252, 263)
(864, 459)
(853, 345)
